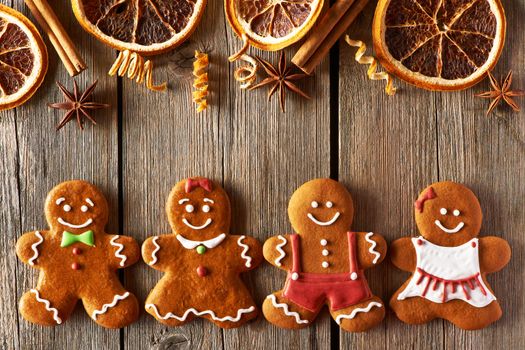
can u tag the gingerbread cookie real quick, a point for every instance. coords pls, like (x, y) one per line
(325, 261)
(77, 260)
(201, 260)
(448, 262)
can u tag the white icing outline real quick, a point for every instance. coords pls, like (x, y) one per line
(245, 250)
(209, 200)
(189, 208)
(324, 223)
(84, 208)
(59, 200)
(356, 311)
(154, 252)
(85, 224)
(279, 247)
(182, 318)
(210, 243)
(287, 312)
(46, 302)
(33, 247)
(90, 202)
(373, 245)
(105, 307)
(183, 200)
(120, 247)
(449, 230)
(206, 224)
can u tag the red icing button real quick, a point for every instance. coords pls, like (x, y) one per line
(77, 251)
(473, 244)
(202, 271)
(75, 266)
(419, 242)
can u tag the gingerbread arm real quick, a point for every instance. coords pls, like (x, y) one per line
(371, 249)
(123, 251)
(155, 247)
(248, 249)
(277, 251)
(403, 254)
(494, 254)
(29, 247)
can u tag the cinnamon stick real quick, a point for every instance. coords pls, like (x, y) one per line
(331, 27)
(47, 19)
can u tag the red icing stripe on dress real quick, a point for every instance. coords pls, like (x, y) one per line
(473, 282)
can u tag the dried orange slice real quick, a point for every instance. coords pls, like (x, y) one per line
(272, 24)
(23, 58)
(439, 44)
(147, 27)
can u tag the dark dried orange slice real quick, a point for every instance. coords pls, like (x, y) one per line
(144, 26)
(439, 44)
(23, 58)
(272, 24)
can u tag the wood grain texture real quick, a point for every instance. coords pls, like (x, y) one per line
(392, 147)
(37, 158)
(385, 149)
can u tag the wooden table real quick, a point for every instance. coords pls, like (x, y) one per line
(385, 149)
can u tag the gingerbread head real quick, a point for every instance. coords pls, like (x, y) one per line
(76, 206)
(198, 209)
(321, 206)
(448, 214)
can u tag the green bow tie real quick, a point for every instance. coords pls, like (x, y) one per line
(69, 238)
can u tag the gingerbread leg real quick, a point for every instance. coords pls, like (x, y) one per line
(470, 317)
(414, 310)
(286, 314)
(47, 305)
(360, 317)
(111, 306)
(169, 310)
(234, 314)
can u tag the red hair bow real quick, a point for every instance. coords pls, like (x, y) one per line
(191, 184)
(429, 194)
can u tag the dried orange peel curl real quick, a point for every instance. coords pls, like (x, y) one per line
(200, 82)
(139, 28)
(245, 74)
(372, 69)
(133, 64)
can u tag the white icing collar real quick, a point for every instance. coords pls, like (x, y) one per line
(210, 243)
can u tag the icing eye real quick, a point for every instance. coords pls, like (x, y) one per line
(189, 208)
(329, 204)
(206, 208)
(443, 211)
(67, 207)
(84, 208)
(456, 212)
(315, 204)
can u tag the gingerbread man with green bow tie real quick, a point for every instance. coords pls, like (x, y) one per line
(78, 260)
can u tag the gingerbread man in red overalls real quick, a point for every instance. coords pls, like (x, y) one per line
(201, 260)
(325, 262)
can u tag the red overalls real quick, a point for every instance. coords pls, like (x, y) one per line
(311, 290)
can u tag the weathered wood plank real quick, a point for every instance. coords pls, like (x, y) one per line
(487, 154)
(387, 154)
(268, 155)
(164, 141)
(37, 158)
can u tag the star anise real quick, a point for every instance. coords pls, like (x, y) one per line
(280, 77)
(501, 92)
(77, 105)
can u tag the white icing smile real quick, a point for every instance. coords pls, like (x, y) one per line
(324, 223)
(206, 224)
(449, 230)
(85, 224)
